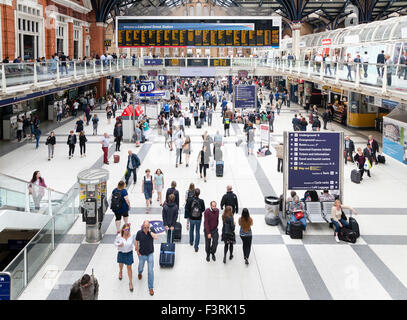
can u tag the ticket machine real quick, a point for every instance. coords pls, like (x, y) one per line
(93, 201)
(10, 127)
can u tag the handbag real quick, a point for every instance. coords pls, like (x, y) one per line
(298, 215)
(343, 216)
(367, 165)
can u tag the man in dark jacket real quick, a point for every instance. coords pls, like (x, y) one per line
(133, 162)
(368, 153)
(194, 219)
(211, 221)
(380, 60)
(229, 199)
(296, 123)
(174, 191)
(316, 124)
(71, 142)
(118, 135)
(374, 146)
(349, 149)
(170, 216)
(325, 118)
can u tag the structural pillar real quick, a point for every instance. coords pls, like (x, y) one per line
(296, 28)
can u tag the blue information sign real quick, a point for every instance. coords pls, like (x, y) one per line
(156, 226)
(5, 286)
(245, 97)
(314, 160)
(153, 62)
(147, 86)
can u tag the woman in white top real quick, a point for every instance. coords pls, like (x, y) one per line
(124, 242)
(336, 217)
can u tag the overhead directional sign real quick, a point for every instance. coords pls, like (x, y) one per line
(147, 86)
(245, 96)
(314, 160)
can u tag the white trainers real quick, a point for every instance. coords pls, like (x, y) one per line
(337, 239)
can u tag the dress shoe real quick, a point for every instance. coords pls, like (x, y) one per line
(231, 257)
(151, 292)
(208, 259)
(213, 257)
(139, 276)
(196, 249)
(224, 259)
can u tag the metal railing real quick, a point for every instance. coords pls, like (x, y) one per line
(29, 261)
(38, 74)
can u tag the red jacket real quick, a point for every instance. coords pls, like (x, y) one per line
(211, 220)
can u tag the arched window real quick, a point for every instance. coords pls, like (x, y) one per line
(198, 9)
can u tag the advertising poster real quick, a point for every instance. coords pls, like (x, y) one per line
(394, 142)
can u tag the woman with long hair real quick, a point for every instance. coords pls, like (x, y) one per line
(124, 242)
(37, 188)
(159, 184)
(186, 148)
(82, 143)
(245, 223)
(228, 232)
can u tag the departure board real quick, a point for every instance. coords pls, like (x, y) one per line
(205, 32)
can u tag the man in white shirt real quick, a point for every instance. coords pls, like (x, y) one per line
(181, 123)
(75, 108)
(103, 59)
(365, 62)
(318, 61)
(179, 141)
(328, 64)
(105, 147)
(91, 103)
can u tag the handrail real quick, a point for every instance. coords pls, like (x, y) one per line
(28, 183)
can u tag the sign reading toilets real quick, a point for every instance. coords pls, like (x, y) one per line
(314, 160)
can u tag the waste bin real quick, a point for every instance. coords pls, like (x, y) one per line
(272, 204)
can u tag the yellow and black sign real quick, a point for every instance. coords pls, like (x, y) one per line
(220, 63)
(108, 43)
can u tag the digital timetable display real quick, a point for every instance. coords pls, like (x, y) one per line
(206, 32)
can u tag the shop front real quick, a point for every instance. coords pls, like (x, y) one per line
(366, 111)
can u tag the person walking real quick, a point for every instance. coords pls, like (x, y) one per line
(145, 251)
(170, 216)
(230, 199)
(279, 154)
(210, 114)
(95, 122)
(82, 143)
(79, 125)
(71, 142)
(120, 204)
(250, 141)
(179, 142)
(375, 147)
(389, 69)
(51, 141)
(296, 123)
(105, 147)
(37, 134)
(194, 208)
(133, 162)
(349, 149)
(87, 288)
(186, 149)
(203, 162)
(20, 125)
(211, 221)
(118, 135)
(228, 232)
(316, 124)
(348, 62)
(245, 223)
(124, 243)
(147, 187)
(360, 161)
(159, 185)
(173, 191)
(380, 64)
(109, 114)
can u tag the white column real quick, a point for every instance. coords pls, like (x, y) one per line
(85, 70)
(384, 82)
(74, 69)
(58, 75)
(35, 74)
(3, 78)
(296, 28)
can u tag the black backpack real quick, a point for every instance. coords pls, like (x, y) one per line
(195, 208)
(116, 202)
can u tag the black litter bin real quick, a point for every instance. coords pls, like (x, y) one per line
(272, 204)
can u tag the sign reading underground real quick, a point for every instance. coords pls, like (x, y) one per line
(314, 161)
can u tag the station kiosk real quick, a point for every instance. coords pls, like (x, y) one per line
(93, 201)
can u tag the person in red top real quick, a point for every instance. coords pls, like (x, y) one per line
(211, 221)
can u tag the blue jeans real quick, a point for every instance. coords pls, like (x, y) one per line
(150, 264)
(336, 224)
(197, 225)
(37, 138)
(302, 220)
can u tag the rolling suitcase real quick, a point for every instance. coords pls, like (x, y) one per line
(355, 176)
(354, 226)
(381, 159)
(177, 230)
(198, 124)
(187, 122)
(219, 168)
(347, 235)
(116, 158)
(296, 230)
(167, 254)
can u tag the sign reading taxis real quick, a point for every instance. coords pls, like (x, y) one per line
(108, 43)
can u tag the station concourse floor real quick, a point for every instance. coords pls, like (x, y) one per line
(315, 267)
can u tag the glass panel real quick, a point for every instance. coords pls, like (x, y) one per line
(16, 269)
(386, 34)
(38, 250)
(379, 33)
(400, 26)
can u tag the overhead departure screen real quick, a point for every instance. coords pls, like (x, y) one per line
(179, 32)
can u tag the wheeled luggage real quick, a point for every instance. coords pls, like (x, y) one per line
(167, 254)
(219, 168)
(116, 158)
(198, 124)
(347, 235)
(381, 159)
(355, 176)
(354, 226)
(295, 230)
(187, 122)
(177, 231)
